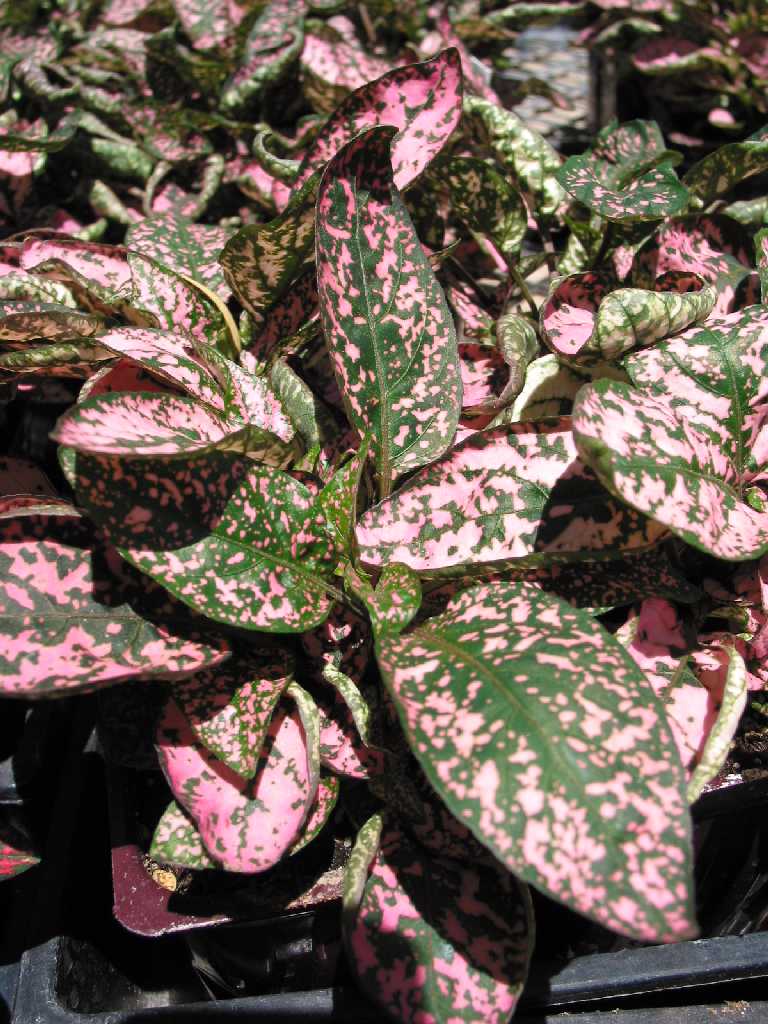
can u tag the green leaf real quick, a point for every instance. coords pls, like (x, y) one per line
(522, 151)
(485, 200)
(718, 172)
(396, 599)
(273, 44)
(358, 865)
(176, 840)
(338, 499)
(541, 735)
(386, 321)
(719, 740)
(262, 261)
(652, 195)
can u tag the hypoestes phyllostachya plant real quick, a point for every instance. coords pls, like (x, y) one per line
(369, 514)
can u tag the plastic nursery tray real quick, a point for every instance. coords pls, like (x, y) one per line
(94, 972)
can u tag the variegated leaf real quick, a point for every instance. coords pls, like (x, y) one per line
(485, 200)
(711, 246)
(311, 725)
(422, 101)
(683, 445)
(338, 499)
(176, 840)
(247, 826)
(584, 320)
(273, 44)
(102, 264)
(14, 860)
(654, 194)
(184, 247)
(435, 940)
(386, 321)
(73, 617)
(158, 425)
(549, 390)
(530, 159)
(357, 867)
(229, 709)
(761, 247)
(350, 693)
(319, 813)
(718, 172)
(174, 303)
(24, 321)
(514, 494)
(239, 542)
(208, 23)
(262, 261)
(396, 599)
(334, 63)
(718, 742)
(570, 778)
(76, 360)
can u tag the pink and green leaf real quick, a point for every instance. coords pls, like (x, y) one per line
(525, 154)
(184, 247)
(229, 709)
(320, 812)
(422, 101)
(435, 940)
(485, 200)
(262, 261)
(274, 43)
(585, 320)
(173, 302)
(512, 494)
(386, 321)
(239, 542)
(334, 63)
(727, 166)
(720, 737)
(247, 826)
(72, 619)
(571, 780)
(176, 840)
(654, 194)
(23, 321)
(13, 860)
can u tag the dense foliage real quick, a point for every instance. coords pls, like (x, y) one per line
(367, 510)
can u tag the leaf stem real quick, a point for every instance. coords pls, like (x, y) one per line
(519, 280)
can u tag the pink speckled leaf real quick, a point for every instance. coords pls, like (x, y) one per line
(71, 615)
(714, 247)
(334, 62)
(386, 321)
(485, 200)
(273, 44)
(247, 826)
(422, 101)
(511, 493)
(584, 320)
(684, 444)
(176, 840)
(103, 264)
(434, 940)
(675, 55)
(173, 302)
(153, 425)
(262, 261)
(627, 174)
(320, 812)
(396, 599)
(13, 860)
(339, 498)
(722, 730)
(170, 356)
(541, 735)
(239, 542)
(24, 321)
(180, 245)
(208, 23)
(229, 708)
(718, 172)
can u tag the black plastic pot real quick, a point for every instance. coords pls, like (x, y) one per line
(80, 966)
